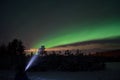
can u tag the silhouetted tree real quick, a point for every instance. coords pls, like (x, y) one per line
(16, 51)
(16, 47)
(67, 52)
(31, 54)
(4, 57)
(3, 50)
(46, 53)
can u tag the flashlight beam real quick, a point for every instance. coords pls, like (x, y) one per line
(34, 57)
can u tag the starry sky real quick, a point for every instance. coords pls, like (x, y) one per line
(58, 22)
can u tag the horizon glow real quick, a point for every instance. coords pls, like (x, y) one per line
(80, 34)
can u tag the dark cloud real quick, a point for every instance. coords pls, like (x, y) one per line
(111, 41)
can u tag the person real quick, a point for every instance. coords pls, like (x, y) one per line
(21, 74)
(41, 50)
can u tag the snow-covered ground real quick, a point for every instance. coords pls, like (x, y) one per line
(101, 75)
(111, 73)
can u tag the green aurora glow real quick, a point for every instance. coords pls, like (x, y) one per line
(80, 33)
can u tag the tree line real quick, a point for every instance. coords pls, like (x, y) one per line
(12, 55)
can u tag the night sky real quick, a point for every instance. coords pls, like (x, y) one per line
(58, 22)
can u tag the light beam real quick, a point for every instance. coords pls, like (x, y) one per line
(35, 57)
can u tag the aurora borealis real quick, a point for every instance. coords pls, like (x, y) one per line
(94, 32)
(58, 22)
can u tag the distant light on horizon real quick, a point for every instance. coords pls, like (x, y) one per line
(89, 47)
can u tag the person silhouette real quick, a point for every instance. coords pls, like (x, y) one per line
(41, 50)
(21, 74)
